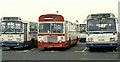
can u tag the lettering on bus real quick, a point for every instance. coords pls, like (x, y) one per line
(47, 18)
(11, 18)
(50, 18)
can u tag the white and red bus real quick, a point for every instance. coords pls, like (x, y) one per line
(55, 32)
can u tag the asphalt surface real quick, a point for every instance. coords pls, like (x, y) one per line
(76, 52)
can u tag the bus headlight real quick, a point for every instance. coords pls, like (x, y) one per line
(19, 39)
(90, 39)
(41, 40)
(61, 37)
(60, 41)
(1, 39)
(112, 39)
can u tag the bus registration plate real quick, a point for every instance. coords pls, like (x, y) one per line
(101, 39)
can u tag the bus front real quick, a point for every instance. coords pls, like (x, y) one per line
(51, 32)
(101, 32)
(11, 34)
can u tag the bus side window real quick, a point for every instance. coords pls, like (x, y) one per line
(33, 28)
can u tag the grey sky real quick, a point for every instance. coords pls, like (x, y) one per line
(71, 9)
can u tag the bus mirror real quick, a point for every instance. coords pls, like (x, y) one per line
(113, 33)
(84, 21)
(48, 31)
(117, 20)
(77, 21)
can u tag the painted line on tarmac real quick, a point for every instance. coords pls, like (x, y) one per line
(25, 51)
(84, 58)
(84, 49)
(77, 51)
(113, 52)
(51, 51)
(33, 49)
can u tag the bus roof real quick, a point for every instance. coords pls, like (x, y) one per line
(10, 18)
(51, 18)
(101, 15)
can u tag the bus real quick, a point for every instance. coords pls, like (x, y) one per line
(15, 32)
(55, 32)
(82, 33)
(102, 30)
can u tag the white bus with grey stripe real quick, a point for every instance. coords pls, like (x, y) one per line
(102, 30)
(15, 32)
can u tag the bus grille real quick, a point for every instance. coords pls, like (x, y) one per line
(50, 38)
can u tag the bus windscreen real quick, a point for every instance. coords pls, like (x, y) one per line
(106, 24)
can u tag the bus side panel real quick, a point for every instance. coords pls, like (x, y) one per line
(33, 33)
(72, 36)
(25, 31)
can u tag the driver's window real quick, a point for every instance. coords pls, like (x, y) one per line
(10, 27)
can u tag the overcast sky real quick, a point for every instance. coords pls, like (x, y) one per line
(71, 9)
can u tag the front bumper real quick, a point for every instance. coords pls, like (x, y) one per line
(55, 45)
(102, 45)
(14, 44)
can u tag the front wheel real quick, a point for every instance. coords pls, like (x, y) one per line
(91, 49)
(11, 47)
(31, 44)
(45, 48)
(114, 48)
(75, 43)
(34, 42)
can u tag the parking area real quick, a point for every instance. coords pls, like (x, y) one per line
(76, 52)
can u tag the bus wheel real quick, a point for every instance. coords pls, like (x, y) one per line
(31, 44)
(11, 47)
(77, 39)
(91, 49)
(34, 43)
(75, 43)
(114, 48)
(45, 48)
(69, 41)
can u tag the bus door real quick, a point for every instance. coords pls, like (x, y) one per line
(25, 32)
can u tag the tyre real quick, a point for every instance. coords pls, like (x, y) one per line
(75, 43)
(34, 43)
(11, 47)
(45, 48)
(91, 49)
(114, 48)
(31, 44)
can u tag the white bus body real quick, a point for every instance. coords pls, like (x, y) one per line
(15, 32)
(102, 30)
(82, 33)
